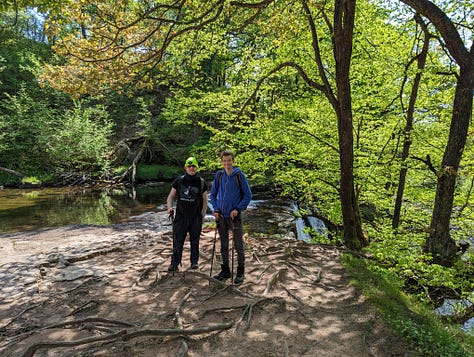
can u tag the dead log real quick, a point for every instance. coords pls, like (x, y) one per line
(12, 172)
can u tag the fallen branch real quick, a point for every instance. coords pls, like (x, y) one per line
(12, 172)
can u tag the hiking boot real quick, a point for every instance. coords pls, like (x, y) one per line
(239, 278)
(194, 266)
(224, 274)
(173, 267)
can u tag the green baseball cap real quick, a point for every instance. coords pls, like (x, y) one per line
(191, 161)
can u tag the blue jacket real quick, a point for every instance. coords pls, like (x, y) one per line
(228, 196)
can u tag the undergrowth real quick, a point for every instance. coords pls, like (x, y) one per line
(407, 315)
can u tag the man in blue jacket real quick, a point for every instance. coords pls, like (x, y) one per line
(230, 195)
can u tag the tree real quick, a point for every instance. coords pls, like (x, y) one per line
(135, 43)
(439, 242)
(420, 58)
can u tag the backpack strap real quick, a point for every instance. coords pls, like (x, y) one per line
(219, 178)
(203, 184)
(239, 182)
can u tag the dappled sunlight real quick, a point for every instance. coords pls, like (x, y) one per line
(294, 298)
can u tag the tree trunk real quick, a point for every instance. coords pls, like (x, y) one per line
(344, 15)
(440, 243)
(409, 123)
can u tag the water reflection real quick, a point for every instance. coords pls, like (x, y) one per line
(23, 210)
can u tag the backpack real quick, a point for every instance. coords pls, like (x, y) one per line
(239, 182)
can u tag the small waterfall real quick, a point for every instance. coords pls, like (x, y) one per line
(302, 225)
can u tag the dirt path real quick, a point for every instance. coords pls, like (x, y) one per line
(107, 290)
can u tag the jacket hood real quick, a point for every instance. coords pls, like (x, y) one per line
(235, 171)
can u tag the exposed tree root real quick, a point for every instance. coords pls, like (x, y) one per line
(174, 332)
(2, 328)
(248, 312)
(179, 323)
(83, 306)
(273, 280)
(263, 272)
(89, 320)
(30, 351)
(87, 281)
(232, 288)
(80, 258)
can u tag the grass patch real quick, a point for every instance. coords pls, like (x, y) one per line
(157, 172)
(408, 317)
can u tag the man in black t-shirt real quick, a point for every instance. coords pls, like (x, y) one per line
(190, 191)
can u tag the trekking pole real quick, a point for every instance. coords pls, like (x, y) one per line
(232, 242)
(213, 249)
(171, 218)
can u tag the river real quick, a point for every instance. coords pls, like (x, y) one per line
(31, 209)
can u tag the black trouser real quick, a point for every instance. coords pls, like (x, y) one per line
(224, 226)
(183, 225)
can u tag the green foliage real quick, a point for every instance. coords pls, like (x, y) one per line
(36, 138)
(81, 139)
(33, 180)
(157, 172)
(23, 4)
(402, 255)
(25, 125)
(408, 317)
(21, 56)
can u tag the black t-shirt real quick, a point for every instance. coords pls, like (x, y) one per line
(189, 198)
